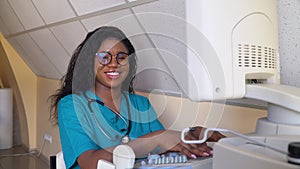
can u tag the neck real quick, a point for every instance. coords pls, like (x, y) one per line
(110, 97)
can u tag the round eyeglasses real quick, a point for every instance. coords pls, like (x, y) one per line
(105, 58)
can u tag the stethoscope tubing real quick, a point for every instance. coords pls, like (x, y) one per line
(90, 100)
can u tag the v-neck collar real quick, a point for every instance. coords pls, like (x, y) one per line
(112, 117)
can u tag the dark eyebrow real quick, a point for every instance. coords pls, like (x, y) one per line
(111, 54)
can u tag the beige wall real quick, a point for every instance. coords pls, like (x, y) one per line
(178, 113)
(45, 88)
(31, 93)
(16, 74)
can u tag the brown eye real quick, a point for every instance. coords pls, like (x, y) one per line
(122, 58)
(104, 58)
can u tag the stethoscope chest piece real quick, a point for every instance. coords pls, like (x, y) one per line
(125, 139)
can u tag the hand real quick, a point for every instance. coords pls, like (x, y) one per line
(193, 150)
(213, 136)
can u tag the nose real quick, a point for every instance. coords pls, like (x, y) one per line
(113, 62)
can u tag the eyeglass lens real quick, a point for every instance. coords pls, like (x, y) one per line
(105, 58)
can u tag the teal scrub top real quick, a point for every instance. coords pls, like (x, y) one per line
(82, 128)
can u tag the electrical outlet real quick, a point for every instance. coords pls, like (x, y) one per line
(48, 138)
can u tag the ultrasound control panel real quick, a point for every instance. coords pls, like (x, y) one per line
(173, 160)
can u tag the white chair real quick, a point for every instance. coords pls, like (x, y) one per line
(60, 163)
(102, 164)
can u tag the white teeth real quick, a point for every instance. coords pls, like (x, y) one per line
(113, 73)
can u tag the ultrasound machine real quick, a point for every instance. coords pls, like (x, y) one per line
(238, 40)
(232, 53)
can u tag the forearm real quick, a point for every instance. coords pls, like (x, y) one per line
(141, 147)
(89, 159)
(163, 138)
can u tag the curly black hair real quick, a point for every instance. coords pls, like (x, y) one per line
(80, 75)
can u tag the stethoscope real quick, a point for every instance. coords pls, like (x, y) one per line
(125, 139)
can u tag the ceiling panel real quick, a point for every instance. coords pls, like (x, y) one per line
(165, 26)
(55, 52)
(9, 18)
(54, 10)
(3, 28)
(140, 42)
(70, 35)
(163, 6)
(42, 64)
(48, 50)
(113, 18)
(25, 57)
(27, 13)
(126, 22)
(168, 16)
(84, 7)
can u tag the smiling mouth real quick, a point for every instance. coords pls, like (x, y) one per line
(113, 74)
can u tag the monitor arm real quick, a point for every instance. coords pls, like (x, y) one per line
(283, 108)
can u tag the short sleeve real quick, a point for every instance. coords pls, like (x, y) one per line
(155, 124)
(74, 140)
(144, 117)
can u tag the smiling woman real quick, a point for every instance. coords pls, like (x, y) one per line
(97, 105)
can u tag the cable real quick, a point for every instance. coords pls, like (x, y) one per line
(205, 137)
(30, 153)
(42, 148)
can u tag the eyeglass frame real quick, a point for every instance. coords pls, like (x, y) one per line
(117, 57)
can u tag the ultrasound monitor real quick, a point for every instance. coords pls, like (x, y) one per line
(233, 53)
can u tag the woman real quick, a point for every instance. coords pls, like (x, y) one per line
(96, 108)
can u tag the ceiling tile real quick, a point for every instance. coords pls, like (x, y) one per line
(118, 18)
(126, 22)
(37, 58)
(27, 13)
(140, 42)
(166, 14)
(166, 28)
(164, 6)
(9, 18)
(70, 35)
(84, 7)
(169, 36)
(55, 52)
(54, 10)
(147, 56)
(3, 28)
(25, 57)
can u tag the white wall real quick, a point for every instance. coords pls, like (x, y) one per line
(289, 41)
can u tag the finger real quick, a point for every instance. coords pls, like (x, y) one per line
(190, 137)
(194, 153)
(203, 150)
(188, 153)
(200, 150)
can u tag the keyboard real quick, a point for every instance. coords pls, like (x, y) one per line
(173, 160)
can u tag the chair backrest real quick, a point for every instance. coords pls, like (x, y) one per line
(57, 162)
(60, 163)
